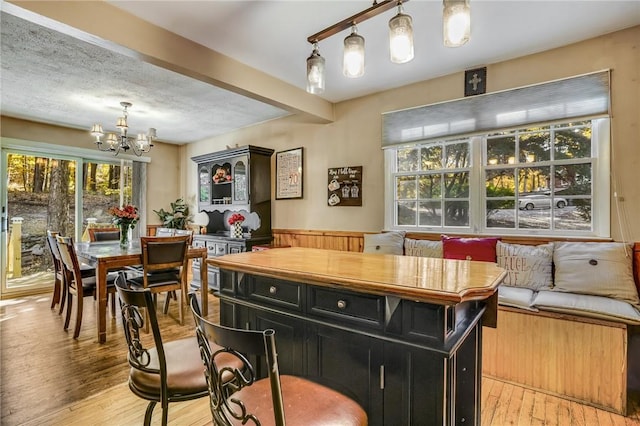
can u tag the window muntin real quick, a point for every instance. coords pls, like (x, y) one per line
(538, 179)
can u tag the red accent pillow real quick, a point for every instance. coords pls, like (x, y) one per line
(480, 249)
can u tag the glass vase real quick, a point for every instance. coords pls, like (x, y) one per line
(124, 235)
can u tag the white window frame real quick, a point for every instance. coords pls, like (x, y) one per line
(601, 192)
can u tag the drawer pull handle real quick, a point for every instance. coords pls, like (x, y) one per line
(273, 289)
(342, 304)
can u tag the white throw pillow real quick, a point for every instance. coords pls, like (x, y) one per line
(590, 306)
(423, 248)
(385, 243)
(526, 266)
(598, 269)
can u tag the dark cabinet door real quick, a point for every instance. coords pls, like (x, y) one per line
(468, 376)
(289, 341)
(414, 385)
(349, 363)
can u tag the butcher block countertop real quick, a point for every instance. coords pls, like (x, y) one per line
(422, 279)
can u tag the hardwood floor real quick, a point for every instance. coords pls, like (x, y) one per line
(48, 378)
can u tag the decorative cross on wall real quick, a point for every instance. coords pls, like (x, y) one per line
(475, 81)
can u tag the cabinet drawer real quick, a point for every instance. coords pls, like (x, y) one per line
(275, 292)
(359, 308)
(216, 248)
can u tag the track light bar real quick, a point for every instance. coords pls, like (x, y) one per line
(374, 10)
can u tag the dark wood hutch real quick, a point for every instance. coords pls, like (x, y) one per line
(232, 181)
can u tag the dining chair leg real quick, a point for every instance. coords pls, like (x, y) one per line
(69, 306)
(80, 307)
(113, 305)
(63, 297)
(55, 299)
(181, 306)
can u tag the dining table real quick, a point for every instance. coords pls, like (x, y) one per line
(108, 256)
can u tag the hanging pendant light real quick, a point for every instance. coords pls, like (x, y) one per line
(456, 22)
(315, 72)
(400, 37)
(353, 61)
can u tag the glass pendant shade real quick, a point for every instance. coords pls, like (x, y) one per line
(353, 61)
(315, 72)
(456, 23)
(400, 38)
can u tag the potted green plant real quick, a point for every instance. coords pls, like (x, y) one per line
(179, 216)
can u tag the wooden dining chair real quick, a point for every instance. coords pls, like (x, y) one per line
(104, 234)
(77, 285)
(59, 290)
(167, 371)
(274, 400)
(164, 266)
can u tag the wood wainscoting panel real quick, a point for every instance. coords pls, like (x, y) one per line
(575, 358)
(328, 240)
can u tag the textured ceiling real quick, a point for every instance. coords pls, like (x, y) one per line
(53, 77)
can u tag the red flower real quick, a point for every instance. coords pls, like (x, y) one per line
(126, 215)
(236, 217)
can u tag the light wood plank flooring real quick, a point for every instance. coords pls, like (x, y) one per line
(47, 378)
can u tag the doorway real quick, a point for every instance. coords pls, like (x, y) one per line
(51, 192)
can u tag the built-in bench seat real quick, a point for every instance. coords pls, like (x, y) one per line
(582, 347)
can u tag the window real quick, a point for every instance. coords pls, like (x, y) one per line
(541, 179)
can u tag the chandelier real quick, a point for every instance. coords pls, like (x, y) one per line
(456, 30)
(122, 142)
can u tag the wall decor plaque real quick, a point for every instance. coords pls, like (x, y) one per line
(344, 186)
(289, 174)
(475, 81)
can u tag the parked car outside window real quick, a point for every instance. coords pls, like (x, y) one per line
(542, 201)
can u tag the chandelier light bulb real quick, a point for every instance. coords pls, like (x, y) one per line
(456, 22)
(353, 60)
(401, 37)
(315, 72)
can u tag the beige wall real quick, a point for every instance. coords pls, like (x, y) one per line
(354, 138)
(164, 172)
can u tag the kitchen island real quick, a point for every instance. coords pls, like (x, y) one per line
(401, 335)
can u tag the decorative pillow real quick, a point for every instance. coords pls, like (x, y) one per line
(422, 248)
(590, 306)
(517, 297)
(480, 249)
(598, 269)
(526, 266)
(385, 243)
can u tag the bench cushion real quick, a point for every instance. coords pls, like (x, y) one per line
(526, 266)
(588, 306)
(516, 297)
(597, 269)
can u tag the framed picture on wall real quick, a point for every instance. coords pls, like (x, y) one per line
(289, 174)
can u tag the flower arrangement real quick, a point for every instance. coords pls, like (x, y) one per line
(236, 217)
(127, 215)
(179, 216)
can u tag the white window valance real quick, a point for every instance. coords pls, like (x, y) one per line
(581, 96)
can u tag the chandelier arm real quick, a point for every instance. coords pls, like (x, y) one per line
(374, 10)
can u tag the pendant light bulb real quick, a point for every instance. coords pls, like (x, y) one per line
(315, 72)
(353, 60)
(400, 37)
(456, 22)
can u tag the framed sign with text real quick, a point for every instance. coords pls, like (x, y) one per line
(289, 174)
(344, 186)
